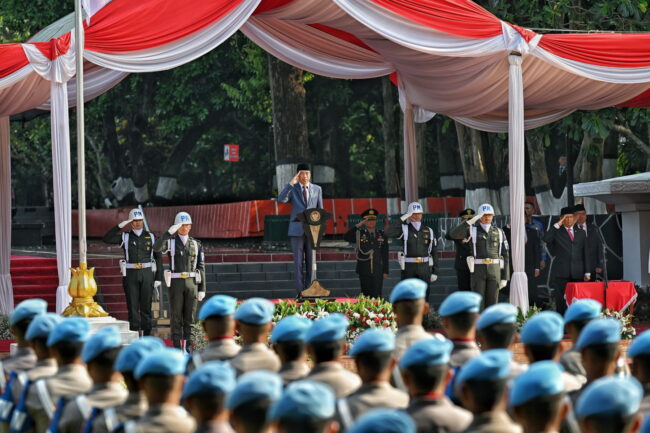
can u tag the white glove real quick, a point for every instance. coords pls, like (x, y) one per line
(124, 223)
(474, 219)
(503, 283)
(173, 229)
(434, 278)
(156, 284)
(200, 296)
(405, 217)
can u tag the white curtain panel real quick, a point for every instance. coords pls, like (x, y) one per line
(516, 149)
(179, 52)
(410, 155)
(6, 289)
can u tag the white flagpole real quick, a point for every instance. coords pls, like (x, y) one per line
(81, 163)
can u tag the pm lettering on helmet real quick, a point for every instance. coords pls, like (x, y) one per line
(184, 218)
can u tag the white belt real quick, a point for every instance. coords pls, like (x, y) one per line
(138, 265)
(488, 261)
(184, 275)
(416, 259)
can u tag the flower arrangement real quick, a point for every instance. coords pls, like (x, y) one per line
(628, 332)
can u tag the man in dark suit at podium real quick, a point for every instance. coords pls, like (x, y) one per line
(569, 247)
(594, 241)
(302, 194)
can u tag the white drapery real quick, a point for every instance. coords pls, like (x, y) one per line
(410, 155)
(6, 290)
(516, 148)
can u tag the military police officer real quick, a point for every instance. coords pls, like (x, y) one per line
(489, 262)
(463, 250)
(372, 253)
(141, 268)
(418, 258)
(186, 277)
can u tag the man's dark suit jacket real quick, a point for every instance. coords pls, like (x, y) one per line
(571, 257)
(594, 248)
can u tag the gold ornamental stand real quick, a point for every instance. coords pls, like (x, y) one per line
(314, 221)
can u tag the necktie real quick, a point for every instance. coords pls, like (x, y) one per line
(304, 194)
(571, 234)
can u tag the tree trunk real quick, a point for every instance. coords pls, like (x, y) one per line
(424, 187)
(610, 155)
(548, 204)
(472, 156)
(391, 161)
(290, 134)
(450, 167)
(498, 173)
(589, 168)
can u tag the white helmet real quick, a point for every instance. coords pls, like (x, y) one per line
(136, 214)
(415, 207)
(486, 209)
(183, 218)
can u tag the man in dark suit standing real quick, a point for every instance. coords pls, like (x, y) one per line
(532, 262)
(571, 259)
(594, 241)
(302, 194)
(463, 250)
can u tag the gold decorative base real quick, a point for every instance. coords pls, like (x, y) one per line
(82, 288)
(315, 290)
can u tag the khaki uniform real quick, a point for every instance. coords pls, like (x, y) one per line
(165, 418)
(333, 373)
(572, 382)
(292, 371)
(79, 410)
(516, 368)
(644, 409)
(369, 396)
(256, 356)
(215, 427)
(462, 352)
(571, 360)
(493, 422)
(68, 382)
(438, 415)
(217, 350)
(133, 408)
(406, 336)
(24, 359)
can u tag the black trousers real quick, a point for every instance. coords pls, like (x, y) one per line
(559, 284)
(418, 270)
(372, 285)
(464, 278)
(138, 288)
(182, 304)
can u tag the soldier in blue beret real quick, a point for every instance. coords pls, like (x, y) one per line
(160, 373)
(216, 317)
(305, 406)
(610, 405)
(251, 400)
(542, 337)
(576, 317)
(13, 403)
(482, 387)
(99, 354)
(384, 421)
(325, 342)
(254, 322)
(136, 402)
(24, 358)
(288, 341)
(65, 342)
(373, 357)
(496, 328)
(205, 396)
(410, 308)
(639, 352)
(426, 373)
(538, 398)
(459, 312)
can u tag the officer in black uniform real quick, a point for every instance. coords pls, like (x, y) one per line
(463, 250)
(141, 268)
(372, 253)
(418, 258)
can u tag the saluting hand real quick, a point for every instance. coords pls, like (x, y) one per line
(294, 180)
(124, 223)
(173, 229)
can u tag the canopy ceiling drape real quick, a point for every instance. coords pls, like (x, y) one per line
(447, 56)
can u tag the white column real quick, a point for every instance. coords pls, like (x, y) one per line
(81, 157)
(518, 281)
(410, 153)
(6, 289)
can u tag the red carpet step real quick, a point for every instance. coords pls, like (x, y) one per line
(34, 277)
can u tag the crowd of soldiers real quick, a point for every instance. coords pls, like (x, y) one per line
(291, 377)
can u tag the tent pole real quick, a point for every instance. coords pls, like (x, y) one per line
(81, 163)
(6, 289)
(410, 164)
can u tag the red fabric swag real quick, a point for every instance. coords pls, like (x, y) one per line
(12, 58)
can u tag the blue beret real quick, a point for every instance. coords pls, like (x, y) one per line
(460, 302)
(164, 362)
(328, 328)
(70, 329)
(255, 311)
(490, 365)
(541, 379)
(291, 328)
(218, 305)
(27, 310)
(129, 357)
(374, 340)
(304, 400)
(610, 396)
(599, 331)
(255, 385)
(581, 310)
(430, 351)
(213, 378)
(408, 289)
(42, 325)
(384, 421)
(645, 427)
(640, 345)
(105, 339)
(543, 328)
(497, 313)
